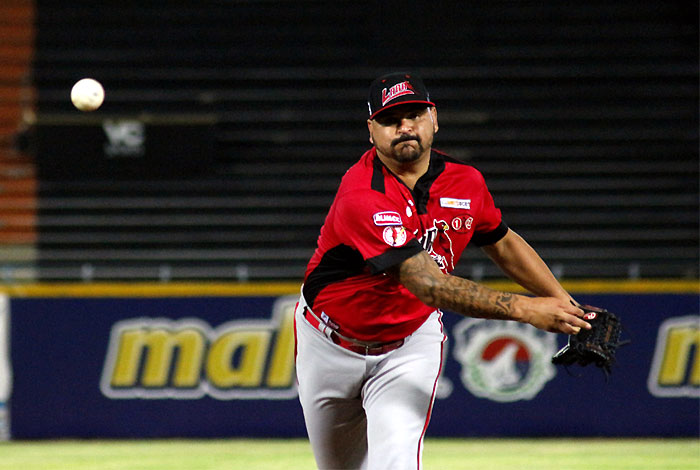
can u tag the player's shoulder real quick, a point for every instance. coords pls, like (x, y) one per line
(359, 177)
(454, 166)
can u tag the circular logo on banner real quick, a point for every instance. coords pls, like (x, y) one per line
(395, 235)
(503, 361)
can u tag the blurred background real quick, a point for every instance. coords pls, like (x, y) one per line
(179, 217)
(227, 126)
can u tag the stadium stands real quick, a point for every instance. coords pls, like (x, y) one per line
(583, 117)
(18, 201)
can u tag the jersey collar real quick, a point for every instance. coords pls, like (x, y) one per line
(421, 192)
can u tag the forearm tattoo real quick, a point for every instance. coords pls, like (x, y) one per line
(421, 276)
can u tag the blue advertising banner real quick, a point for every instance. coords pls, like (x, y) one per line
(219, 366)
(503, 383)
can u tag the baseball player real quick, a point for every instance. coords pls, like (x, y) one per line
(368, 322)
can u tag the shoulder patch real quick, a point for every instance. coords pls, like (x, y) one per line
(387, 218)
(395, 236)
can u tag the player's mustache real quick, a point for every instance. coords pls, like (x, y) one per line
(405, 138)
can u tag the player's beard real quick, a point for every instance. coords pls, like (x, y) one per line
(404, 153)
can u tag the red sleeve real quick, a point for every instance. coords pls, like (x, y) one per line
(490, 227)
(372, 224)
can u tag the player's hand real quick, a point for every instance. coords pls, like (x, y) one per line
(552, 314)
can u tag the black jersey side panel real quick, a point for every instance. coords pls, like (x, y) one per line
(337, 264)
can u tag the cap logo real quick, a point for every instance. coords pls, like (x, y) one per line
(400, 89)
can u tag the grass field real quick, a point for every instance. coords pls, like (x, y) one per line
(440, 454)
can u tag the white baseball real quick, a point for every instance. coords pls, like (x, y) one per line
(87, 94)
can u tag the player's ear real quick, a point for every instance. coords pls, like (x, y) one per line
(433, 118)
(369, 128)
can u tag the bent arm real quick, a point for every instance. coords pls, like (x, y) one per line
(421, 275)
(519, 261)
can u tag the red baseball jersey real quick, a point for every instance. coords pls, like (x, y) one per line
(376, 222)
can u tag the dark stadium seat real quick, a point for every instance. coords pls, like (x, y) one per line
(582, 116)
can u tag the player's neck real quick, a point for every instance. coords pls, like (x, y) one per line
(408, 172)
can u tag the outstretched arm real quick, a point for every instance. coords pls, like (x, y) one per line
(521, 263)
(422, 276)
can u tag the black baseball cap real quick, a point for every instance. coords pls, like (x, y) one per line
(394, 89)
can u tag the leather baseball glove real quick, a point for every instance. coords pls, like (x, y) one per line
(595, 346)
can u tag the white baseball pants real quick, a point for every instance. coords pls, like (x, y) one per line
(368, 412)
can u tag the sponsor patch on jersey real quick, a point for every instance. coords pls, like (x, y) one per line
(462, 224)
(387, 218)
(395, 236)
(452, 203)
